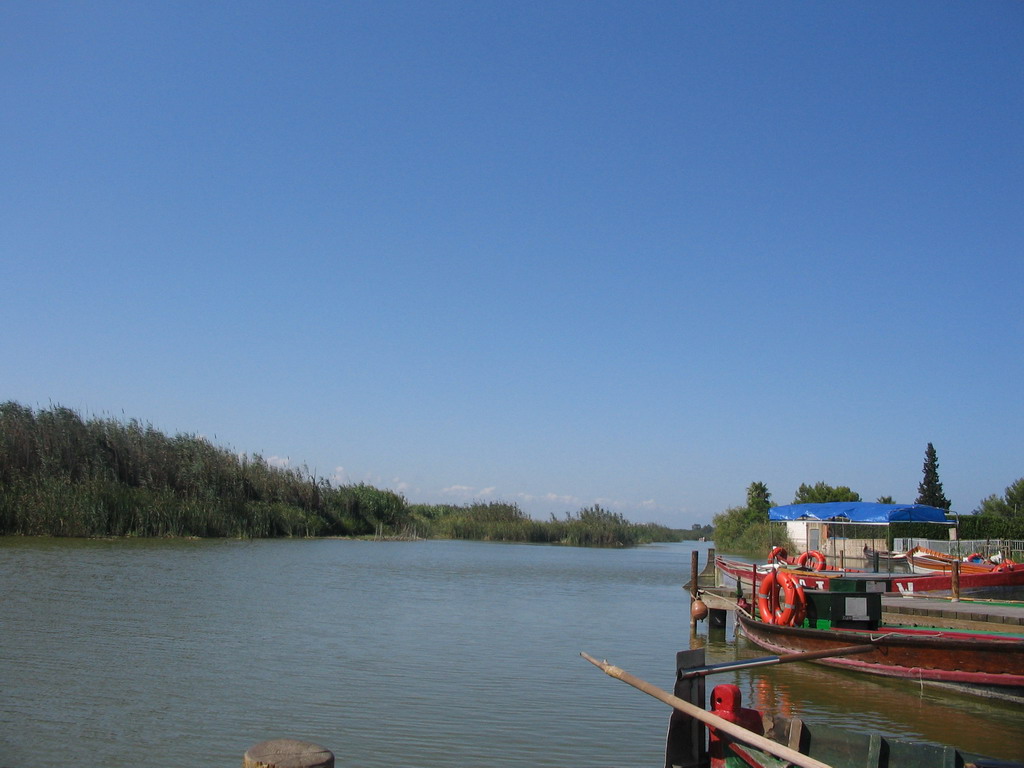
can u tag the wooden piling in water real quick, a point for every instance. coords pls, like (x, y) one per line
(287, 753)
(694, 574)
(685, 745)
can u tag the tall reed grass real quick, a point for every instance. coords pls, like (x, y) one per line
(62, 475)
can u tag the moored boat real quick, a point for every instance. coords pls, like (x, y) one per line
(885, 559)
(988, 663)
(734, 572)
(742, 737)
(940, 580)
(835, 747)
(928, 561)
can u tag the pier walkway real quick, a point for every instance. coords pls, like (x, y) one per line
(964, 614)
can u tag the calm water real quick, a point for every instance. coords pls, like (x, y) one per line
(115, 653)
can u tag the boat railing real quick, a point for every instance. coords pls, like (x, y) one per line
(963, 547)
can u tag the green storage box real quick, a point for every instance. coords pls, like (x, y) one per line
(847, 585)
(859, 585)
(849, 610)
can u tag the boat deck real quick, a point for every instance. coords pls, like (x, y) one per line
(966, 613)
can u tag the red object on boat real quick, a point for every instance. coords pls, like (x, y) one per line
(726, 702)
(780, 599)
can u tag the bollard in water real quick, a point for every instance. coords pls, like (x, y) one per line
(694, 592)
(287, 753)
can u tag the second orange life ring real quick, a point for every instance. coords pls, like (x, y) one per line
(813, 560)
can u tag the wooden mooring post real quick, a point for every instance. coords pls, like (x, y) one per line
(698, 610)
(287, 753)
(685, 745)
(955, 581)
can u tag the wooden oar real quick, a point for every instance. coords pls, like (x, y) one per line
(764, 661)
(736, 731)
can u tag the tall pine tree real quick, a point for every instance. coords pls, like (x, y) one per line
(930, 490)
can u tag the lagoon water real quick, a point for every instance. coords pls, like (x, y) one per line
(431, 653)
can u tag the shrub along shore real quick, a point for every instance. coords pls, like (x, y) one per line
(62, 475)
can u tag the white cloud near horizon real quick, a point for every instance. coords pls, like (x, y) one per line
(458, 490)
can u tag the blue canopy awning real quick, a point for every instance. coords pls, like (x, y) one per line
(861, 512)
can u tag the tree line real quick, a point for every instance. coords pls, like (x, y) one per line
(62, 475)
(745, 529)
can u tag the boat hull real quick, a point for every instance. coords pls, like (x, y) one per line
(990, 662)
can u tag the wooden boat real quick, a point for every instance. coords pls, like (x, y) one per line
(928, 561)
(989, 663)
(740, 737)
(835, 747)
(891, 560)
(748, 575)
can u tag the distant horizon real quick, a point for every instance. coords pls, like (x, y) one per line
(281, 463)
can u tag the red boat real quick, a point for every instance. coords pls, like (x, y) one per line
(849, 580)
(794, 620)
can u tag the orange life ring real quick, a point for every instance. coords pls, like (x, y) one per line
(781, 600)
(1007, 566)
(974, 557)
(817, 559)
(778, 555)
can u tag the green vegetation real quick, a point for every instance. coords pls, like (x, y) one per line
(746, 530)
(822, 493)
(997, 517)
(496, 521)
(61, 475)
(930, 489)
(1008, 506)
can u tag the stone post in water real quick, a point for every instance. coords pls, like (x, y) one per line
(287, 753)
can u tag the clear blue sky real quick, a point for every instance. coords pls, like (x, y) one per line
(555, 253)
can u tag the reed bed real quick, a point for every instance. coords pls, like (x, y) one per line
(62, 475)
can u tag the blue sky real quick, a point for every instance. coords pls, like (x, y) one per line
(555, 253)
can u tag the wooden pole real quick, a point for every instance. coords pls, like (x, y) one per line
(685, 742)
(694, 575)
(955, 581)
(737, 732)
